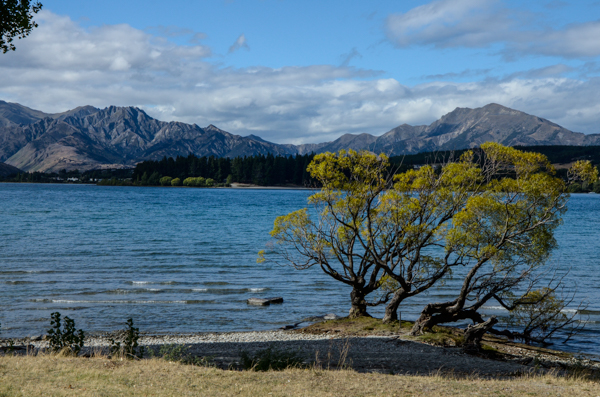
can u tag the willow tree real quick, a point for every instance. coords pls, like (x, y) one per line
(487, 219)
(371, 231)
(504, 234)
(337, 235)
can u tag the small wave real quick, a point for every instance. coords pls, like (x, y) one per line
(142, 282)
(121, 291)
(257, 289)
(130, 302)
(493, 307)
(199, 289)
(18, 282)
(216, 283)
(14, 272)
(169, 283)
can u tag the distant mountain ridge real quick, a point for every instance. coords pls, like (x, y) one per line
(87, 137)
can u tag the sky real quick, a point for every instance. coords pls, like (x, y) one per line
(310, 71)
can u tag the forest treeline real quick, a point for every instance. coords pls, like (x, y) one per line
(271, 170)
(260, 170)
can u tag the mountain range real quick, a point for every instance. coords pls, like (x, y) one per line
(119, 137)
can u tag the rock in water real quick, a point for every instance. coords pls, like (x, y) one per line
(275, 300)
(258, 302)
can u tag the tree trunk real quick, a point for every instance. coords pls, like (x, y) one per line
(435, 314)
(359, 304)
(391, 310)
(474, 334)
(422, 324)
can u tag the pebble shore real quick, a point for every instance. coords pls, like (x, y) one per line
(384, 354)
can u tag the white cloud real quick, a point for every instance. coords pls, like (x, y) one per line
(61, 66)
(481, 23)
(240, 42)
(448, 23)
(578, 40)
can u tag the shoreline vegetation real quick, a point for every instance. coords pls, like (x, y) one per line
(274, 171)
(333, 357)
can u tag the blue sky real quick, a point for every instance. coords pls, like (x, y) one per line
(310, 71)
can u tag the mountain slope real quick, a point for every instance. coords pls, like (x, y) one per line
(86, 137)
(466, 128)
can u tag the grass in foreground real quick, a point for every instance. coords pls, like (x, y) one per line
(65, 376)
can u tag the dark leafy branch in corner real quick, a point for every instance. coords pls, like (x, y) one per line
(16, 20)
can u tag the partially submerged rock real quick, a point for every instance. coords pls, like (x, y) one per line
(264, 302)
(275, 300)
(258, 302)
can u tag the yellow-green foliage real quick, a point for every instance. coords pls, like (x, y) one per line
(583, 170)
(498, 206)
(194, 182)
(166, 181)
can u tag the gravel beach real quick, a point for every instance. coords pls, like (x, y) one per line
(383, 354)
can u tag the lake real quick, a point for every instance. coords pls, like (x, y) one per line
(184, 260)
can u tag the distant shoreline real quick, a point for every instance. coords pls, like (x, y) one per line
(258, 187)
(242, 186)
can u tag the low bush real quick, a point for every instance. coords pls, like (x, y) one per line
(129, 346)
(165, 181)
(194, 182)
(62, 338)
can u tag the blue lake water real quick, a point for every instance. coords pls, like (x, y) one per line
(184, 260)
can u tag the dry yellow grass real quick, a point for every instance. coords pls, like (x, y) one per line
(64, 376)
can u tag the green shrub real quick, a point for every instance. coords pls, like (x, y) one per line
(176, 182)
(165, 181)
(210, 182)
(129, 346)
(195, 182)
(65, 338)
(270, 359)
